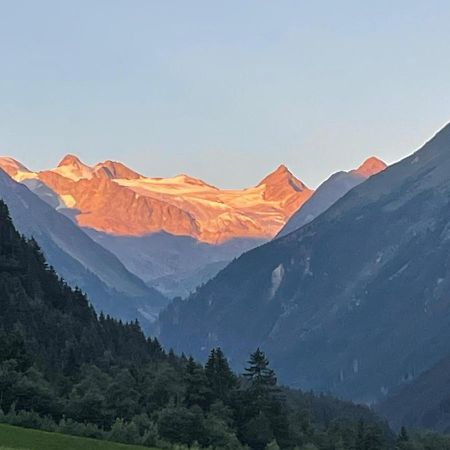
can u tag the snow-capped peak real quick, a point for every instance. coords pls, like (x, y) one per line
(8, 163)
(15, 169)
(71, 160)
(71, 167)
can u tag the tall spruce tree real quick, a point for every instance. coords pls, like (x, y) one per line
(259, 375)
(220, 377)
(263, 401)
(198, 391)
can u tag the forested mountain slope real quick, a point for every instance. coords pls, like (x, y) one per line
(354, 302)
(422, 403)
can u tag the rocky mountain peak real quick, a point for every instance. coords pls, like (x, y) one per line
(70, 160)
(370, 167)
(283, 176)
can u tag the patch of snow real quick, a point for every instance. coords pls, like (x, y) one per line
(277, 278)
(21, 176)
(68, 200)
(74, 173)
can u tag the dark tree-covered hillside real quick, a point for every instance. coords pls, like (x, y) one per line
(64, 368)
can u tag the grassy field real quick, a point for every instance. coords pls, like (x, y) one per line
(15, 438)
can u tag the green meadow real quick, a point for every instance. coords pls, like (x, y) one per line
(15, 438)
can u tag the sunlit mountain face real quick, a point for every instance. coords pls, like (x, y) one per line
(111, 198)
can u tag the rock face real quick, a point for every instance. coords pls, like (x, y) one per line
(107, 206)
(77, 258)
(113, 199)
(369, 167)
(329, 192)
(350, 303)
(114, 169)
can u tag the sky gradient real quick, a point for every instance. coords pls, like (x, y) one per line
(224, 91)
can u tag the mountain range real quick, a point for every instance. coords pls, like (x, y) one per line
(111, 198)
(355, 302)
(173, 233)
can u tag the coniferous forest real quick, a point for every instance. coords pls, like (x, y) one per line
(64, 368)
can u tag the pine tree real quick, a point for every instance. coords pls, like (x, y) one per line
(197, 389)
(360, 433)
(259, 374)
(402, 439)
(220, 377)
(263, 397)
(403, 435)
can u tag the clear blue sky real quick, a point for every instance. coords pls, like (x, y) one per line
(222, 90)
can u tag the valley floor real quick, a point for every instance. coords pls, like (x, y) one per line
(26, 439)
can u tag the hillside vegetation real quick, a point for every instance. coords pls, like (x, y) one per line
(65, 369)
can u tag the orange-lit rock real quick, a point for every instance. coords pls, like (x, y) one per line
(370, 166)
(112, 198)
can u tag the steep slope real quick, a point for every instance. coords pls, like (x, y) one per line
(104, 205)
(422, 403)
(329, 192)
(43, 319)
(349, 303)
(15, 169)
(80, 260)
